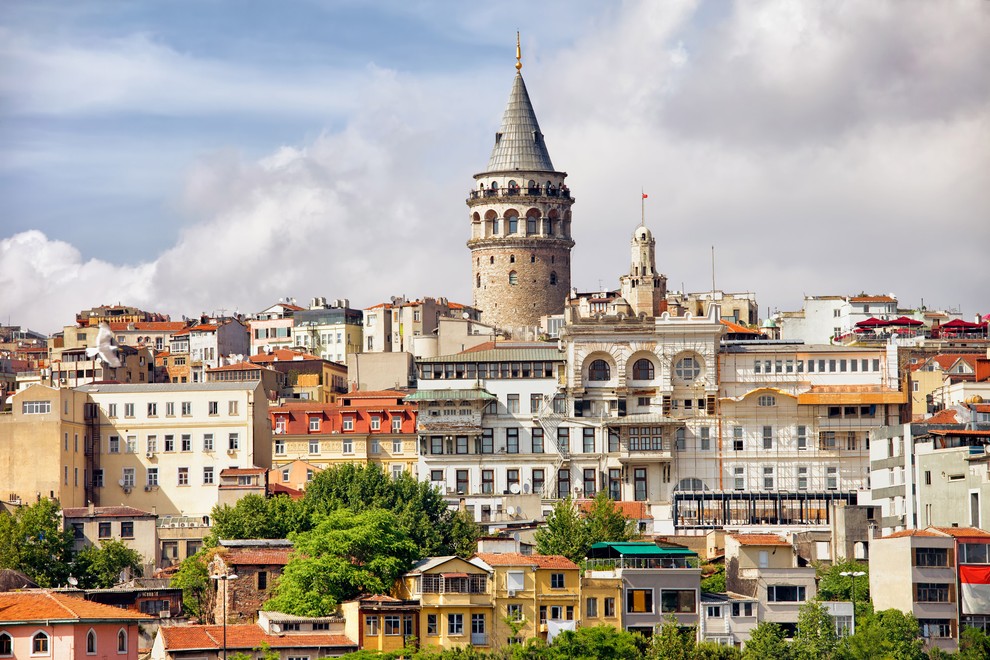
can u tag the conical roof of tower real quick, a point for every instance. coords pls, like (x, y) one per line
(519, 142)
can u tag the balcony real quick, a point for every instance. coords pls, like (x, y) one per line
(530, 193)
(479, 639)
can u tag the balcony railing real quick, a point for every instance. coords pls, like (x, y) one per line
(539, 191)
(479, 639)
(640, 563)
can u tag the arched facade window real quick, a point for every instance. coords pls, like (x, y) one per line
(687, 368)
(689, 484)
(643, 370)
(513, 278)
(478, 283)
(532, 222)
(6, 644)
(512, 224)
(553, 278)
(122, 641)
(91, 642)
(512, 258)
(532, 187)
(599, 371)
(39, 644)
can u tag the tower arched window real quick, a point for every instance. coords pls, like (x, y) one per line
(532, 258)
(91, 642)
(513, 224)
(491, 260)
(512, 258)
(39, 644)
(495, 227)
(553, 278)
(643, 370)
(513, 278)
(548, 226)
(122, 641)
(494, 185)
(533, 189)
(531, 222)
(478, 284)
(599, 371)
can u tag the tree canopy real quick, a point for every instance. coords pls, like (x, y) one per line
(570, 533)
(99, 567)
(345, 555)
(834, 586)
(34, 542)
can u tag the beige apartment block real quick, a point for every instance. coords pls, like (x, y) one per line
(43, 442)
(137, 529)
(164, 445)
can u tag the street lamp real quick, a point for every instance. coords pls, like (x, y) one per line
(853, 575)
(226, 577)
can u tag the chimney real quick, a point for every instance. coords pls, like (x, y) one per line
(92, 509)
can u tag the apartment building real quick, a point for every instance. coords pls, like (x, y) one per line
(381, 623)
(764, 567)
(306, 377)
(164, 445)
(329, 330)
(393, 327)
(455, 598)
(362, 427)
(825, 317)
(271, 328)
(44, 447)
(657, 581)
(537, 591)
(137, 529)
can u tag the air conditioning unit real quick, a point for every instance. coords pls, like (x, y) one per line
(150, 454)
(512, 593)
(147, 489)
(165, 614)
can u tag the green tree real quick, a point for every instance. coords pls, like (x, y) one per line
(973, 644)
(258, 517)
(833, 586)
(605, 642)
(815, 638)
(715, 651)
(99, 567)
(767, 641)
(34, 542)
(565, 532)
(884, 634)
(420, 508)
(464, 534)
(672, 642)
(345, 555)
(715, 582)
(605, 522)
(198, 595)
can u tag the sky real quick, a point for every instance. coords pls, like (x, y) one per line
(199, 156)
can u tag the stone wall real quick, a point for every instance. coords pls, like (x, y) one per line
(507, 305)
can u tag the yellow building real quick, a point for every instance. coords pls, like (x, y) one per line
(455, 597)
(929, 375)
(601, 599)
(381, 623)
(43, 443)
(532, 590)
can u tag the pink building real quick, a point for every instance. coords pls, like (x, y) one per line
(43, 624)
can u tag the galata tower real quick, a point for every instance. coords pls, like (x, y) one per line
(520, 223)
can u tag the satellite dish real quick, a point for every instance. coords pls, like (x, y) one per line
(73, 581)
(120, 483)
(465, 316)
(511, 510)
(276, 628)
(514, 489)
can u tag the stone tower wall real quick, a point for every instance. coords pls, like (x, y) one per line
(522, 304)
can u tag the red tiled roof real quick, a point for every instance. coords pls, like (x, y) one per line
(631, 510)
(913, 532)
(248, 636)
(760, 539)
(739, 329)
(966, 433)
(982, 407)
(282, 355)
(240, 366)
(202, 327)
(380, 598)
(237, 472)
(947, 416)
(148, 326)
(255, 557)
(963, 531)
(375, 394)
(516, 559)
(45, 605)
(872, 299)
(281, 489)
(106, 512)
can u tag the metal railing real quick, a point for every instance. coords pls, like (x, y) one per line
(562, 193)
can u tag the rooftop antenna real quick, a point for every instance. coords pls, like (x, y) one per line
(713, 272)
(518, 53)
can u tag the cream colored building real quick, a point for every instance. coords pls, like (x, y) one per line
(43, 444)
(163, 446)
(330, 330)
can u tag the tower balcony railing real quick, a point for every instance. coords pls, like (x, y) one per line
(538, 191)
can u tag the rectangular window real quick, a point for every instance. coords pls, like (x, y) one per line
(589, 482)
(111, 409)
(556, 580)
(488, 481)
(374, 446)
(128, 410)
(538, 481)
(114, 445)
(128, 477)
(152, 410)
(537, 440)
(392, 625)
(512, 479)
(680, 439)
(371, 625)
(785, 594)
(768, 437)
(376, 423)
(802, 437)
(462, 444)
(348, 424)
(706, 439)
(511, 440)
(563, 483)
(231, 407)
(397, 446)
(212, 408)
(938, 557)
(208, 442)
(347, 446)
(615, 483)
(98, 478)
(678, 601)
(588, 436)
(186, 442)
(640, 484)
(314, 423)
(613, 439)
(152, 444)
(563, 439)
(233, 442)
(512, 403)
(208, 475)
(396, 425)
(535, 401)
(832, 478)
(152, 476)
(639, 601)
(183, 477)
(170, 408)
(925, 592)
(591, 608)
(737, 438)
(186, 408)
(432, 628)
(462, 481)
(314, 446)
(455, 624)
(739, 478)
(104, 530)
(127, 529)
(802, 478)
(131, 444)
(768, 478)
(609, 607)
(935, 628)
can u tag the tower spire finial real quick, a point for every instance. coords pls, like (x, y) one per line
(518, 53)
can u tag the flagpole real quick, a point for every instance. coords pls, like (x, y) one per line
(642, 209)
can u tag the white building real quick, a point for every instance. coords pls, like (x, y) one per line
(826, 317)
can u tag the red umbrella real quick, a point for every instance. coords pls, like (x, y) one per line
(872, 323)
(959, 324)
(903, 320)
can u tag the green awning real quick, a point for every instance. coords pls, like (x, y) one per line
(450, 395)
(637, 550)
